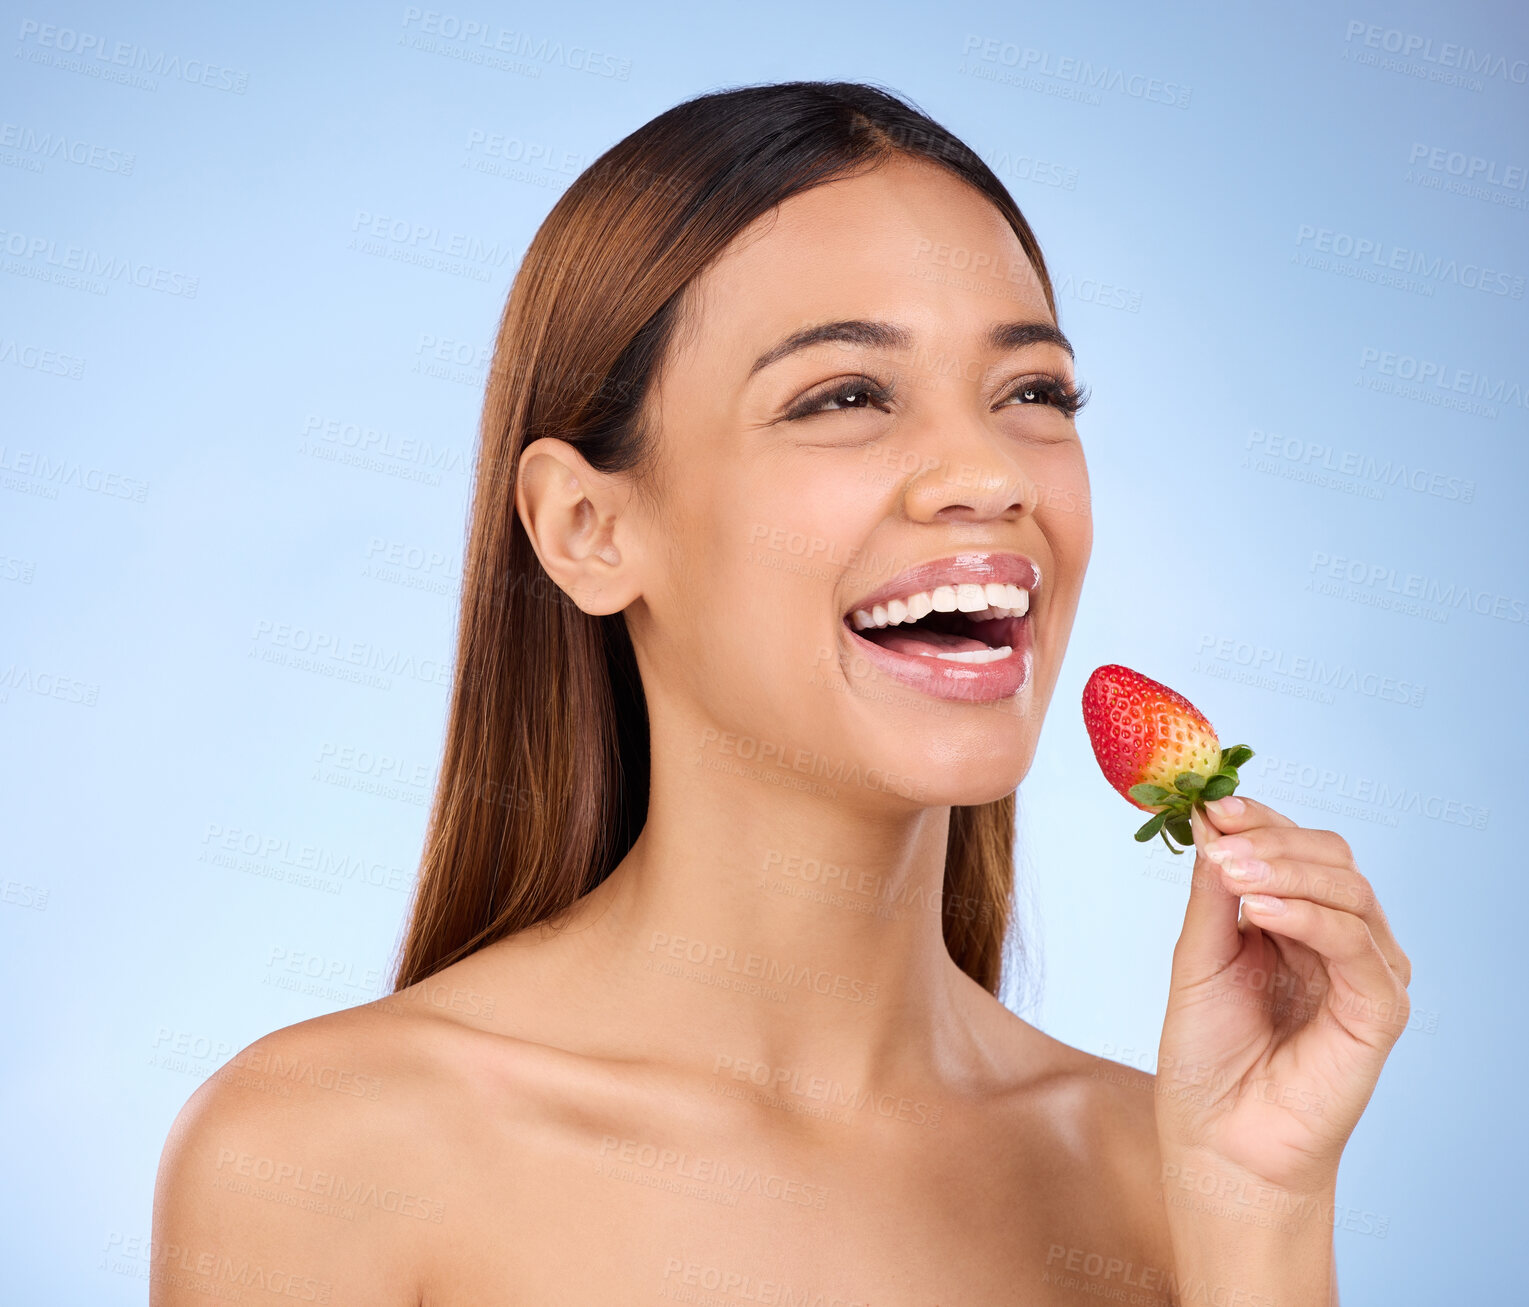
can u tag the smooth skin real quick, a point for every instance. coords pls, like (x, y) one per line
(624, 1109)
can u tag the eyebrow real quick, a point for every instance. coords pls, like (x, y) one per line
(885, 335)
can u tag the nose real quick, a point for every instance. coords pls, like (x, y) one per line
(970, 479)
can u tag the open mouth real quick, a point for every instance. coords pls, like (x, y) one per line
(955, 624)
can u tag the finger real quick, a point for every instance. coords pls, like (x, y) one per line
(1272, 844)
(1210, 938)
(1367, 998)
(1237, 813)
(1343, 888)
(1303, 843)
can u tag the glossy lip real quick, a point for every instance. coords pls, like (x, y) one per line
(965, 682)
(971, 568)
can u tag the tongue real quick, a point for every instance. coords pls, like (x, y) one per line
(923, 643)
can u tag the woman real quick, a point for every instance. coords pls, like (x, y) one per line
(780, 525)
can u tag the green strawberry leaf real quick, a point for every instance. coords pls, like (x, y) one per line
(1181, 830)
(1236, 755)
(1218, 787)
(1152, 827)
(1145, 792)
(1189, 781)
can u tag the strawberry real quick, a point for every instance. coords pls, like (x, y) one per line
(1157, 749)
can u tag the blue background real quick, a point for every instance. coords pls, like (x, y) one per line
(206, 840)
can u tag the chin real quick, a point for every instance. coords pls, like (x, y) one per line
(969, 767)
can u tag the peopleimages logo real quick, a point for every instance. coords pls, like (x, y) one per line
(1452, 594)
(48, 145)
(430, 239)
(730, 1177)
(782, 973)
(1437, 376)
(1095, 77)
(1326, 787)
(470, 34)
(1416, 263)
(44, 38)
(1300, 675)
(55, 472)
(44, 252)
(1468, 167)
(1300, 459)
(1443, 54)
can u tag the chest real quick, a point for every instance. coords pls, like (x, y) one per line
(726, 1211)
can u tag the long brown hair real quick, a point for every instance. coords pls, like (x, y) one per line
(543, 784)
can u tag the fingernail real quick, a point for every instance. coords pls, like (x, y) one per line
(1227, 807)
(1248, 870)
(1265, 903)
(1227, 846)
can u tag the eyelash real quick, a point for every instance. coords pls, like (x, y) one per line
(1057, 393)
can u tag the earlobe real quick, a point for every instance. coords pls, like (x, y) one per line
(571, 513)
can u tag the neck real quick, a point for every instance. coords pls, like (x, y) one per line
(788, 928)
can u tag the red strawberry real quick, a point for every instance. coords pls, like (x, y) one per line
(1157, 749)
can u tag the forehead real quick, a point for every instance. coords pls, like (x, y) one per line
(907, 241)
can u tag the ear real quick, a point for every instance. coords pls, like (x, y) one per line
(581, 523)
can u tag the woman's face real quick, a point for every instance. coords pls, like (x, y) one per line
(801, 485)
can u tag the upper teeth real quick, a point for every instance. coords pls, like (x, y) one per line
(985, 602)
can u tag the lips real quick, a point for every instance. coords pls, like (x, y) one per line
(946, 653)
(959, 569)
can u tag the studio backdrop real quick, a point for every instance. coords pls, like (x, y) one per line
(253, 264)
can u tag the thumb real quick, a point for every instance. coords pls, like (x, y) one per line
(1210, 938)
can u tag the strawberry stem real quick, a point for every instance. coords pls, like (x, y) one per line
(1171, 808)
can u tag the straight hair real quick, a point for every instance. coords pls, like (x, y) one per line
(543, 785)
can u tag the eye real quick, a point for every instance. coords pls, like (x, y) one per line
(857, 392)
(1050, 390)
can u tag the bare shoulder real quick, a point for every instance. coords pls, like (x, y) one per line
(302, 1169)
(1098, 1117)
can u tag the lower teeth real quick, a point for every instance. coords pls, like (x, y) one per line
(975, 655)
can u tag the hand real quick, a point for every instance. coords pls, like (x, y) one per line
(1277, 1029)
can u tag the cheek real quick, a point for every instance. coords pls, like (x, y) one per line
(777, 553)
(1063, 507)
(1068, 526)
(812, 517)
